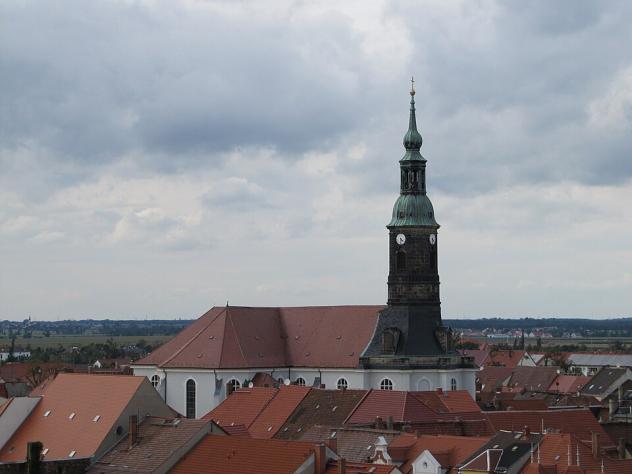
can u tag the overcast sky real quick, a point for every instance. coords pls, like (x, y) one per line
(159, 157)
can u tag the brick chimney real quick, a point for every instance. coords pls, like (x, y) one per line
(342, 466)
(389, 422)
(595, 444)
(133, 431)
(320, 464)
(332, 443)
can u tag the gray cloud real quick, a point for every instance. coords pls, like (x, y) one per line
(236, 149)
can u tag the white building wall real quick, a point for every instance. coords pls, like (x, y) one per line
(173, 381)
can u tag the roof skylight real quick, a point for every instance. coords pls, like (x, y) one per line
(72, 453)
(47, 412)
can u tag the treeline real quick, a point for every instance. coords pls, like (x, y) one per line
(593, 326)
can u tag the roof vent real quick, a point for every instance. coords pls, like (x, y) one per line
(72, 453)
(338, 337)
(199, 356)
(96, 418)
(47, 412)
(71, 416)
(211, 337)
(299, 429)
(368, 448)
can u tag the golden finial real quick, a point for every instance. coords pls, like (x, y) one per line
(412, 86)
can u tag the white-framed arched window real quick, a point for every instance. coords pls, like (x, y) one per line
(342, 384)
(300, 381)
(453, 384)
(386, 384)
(234, 384)
(190, 399)
(155, 380)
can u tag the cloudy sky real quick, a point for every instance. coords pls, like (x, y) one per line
(159, 157)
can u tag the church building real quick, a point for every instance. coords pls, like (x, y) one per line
(400, 346)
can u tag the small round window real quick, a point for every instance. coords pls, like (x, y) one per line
(342, 384)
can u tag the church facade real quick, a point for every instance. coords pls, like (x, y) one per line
(400, 346)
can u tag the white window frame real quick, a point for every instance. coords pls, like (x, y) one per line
(386, 384)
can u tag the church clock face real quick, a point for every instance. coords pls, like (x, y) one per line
(400, 239)
(433, 239)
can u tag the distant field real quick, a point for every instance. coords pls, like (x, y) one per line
(70, 341)
(595, 343)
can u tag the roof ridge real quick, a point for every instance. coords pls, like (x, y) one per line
(232, 325)
(186, 344)
(278, 390)
(357, 406)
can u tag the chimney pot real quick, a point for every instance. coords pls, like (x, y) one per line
(321, 459)
(595, 445)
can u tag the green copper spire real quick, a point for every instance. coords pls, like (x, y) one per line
(413, 207)
(412, 139)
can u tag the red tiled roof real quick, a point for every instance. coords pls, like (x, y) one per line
(491, 378)
(509, 358)
(360, 468)
(402, 406)
(555, 448)
(242, 406)
(448, 450)
(455, 401)
(244, 455)
(262, 410)
(320, 407)
(536, 379)
(580, 422)
(85, 395)
(353, 444)
(480, 355)
(276, 413)
(158, 441)
(236, 430)
(237, 337)
(568, 383)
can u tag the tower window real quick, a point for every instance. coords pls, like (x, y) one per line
(386, 384)
(401, 260)
(190, 398)
(342, 384)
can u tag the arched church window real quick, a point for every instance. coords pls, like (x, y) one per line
(386, 384)
(155, 380)
(401, 260)
(453, 384)
(342, 384)
(190, 398)
(234, 384)
(300, 381)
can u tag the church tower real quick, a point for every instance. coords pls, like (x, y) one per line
(409, 333)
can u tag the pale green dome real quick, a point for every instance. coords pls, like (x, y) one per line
(413, 210)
